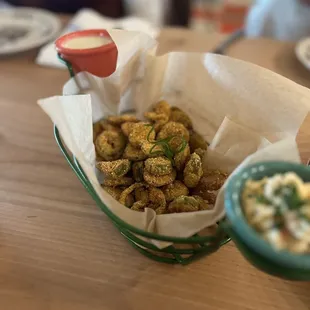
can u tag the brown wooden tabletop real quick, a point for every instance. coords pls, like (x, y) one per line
(58, 251)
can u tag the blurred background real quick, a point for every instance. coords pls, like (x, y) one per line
(203, 15)
(280, 19)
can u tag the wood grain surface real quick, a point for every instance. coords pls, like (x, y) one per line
(58, 251)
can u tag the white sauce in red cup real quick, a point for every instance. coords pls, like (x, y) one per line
(86, 42)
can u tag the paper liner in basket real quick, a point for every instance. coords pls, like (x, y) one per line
(247, 113)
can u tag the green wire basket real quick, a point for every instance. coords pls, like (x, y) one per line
(183, 250)
(199, 245)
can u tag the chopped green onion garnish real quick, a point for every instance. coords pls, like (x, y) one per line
(164, 143)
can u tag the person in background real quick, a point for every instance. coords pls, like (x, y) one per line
(157, 12)
(287, 20)
(110, 8)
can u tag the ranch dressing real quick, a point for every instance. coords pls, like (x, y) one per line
(86, 42)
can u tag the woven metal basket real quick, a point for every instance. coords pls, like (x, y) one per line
(183, 250)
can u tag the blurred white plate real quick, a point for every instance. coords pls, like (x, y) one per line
(302, 51)
(22, 29)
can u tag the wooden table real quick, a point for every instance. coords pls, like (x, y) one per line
(59, 252)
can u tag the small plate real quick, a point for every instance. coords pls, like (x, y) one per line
(302, 51)
(22, 29)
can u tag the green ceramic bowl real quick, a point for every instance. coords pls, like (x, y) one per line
(264, 264)
(244, 234)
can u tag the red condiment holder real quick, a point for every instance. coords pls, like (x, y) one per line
(100, 61)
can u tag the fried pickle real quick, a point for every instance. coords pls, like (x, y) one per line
(197, 141)
(159, 181)
(142, 194)
(179, 116)
(156, 198)
(137, 171)
(181, 158)
(110, 145)
(120, 119)
(152, 150)
(123, 181)
(127, 128)
(193, 171)
(183, 204)
(114, 169)
(115, 192)
(174, 190)
(158, 166)
(139, 134)
(128, 191)
(133, 153)
(139, 206)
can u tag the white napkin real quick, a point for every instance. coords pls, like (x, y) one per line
(90, 19)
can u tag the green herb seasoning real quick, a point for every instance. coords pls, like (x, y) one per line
(164, 143)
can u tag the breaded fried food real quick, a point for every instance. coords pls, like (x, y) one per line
(179, 116)
(129, 201)
(159, 115)
(110, 145)
(153, 116)
(158, 125)
(159, 119)
(98, 157)
(174, 190)
(162, 107)
(156, 198)
(201, 153)
(120, 119)
(115, 192)
(214, 179)
(210, 197)
(197, 141)
(161, 210)
(123, 181)
(176, 131)
(114, 169)
(155, 164)
(173, 129)
(206, 195)
(152, 150)
(142, 194)
(193, 171)
(183, 204)
(106, 125)
(127, 128)
(133, 153)
(209, 184)
(137, 171)
(203, 205)
(139, 134)
(158, 166)
(181, 158)
(159, 181)
(139, 206)
(128, 191)
(175, 108)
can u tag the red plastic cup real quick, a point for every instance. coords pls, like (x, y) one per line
(100, 61)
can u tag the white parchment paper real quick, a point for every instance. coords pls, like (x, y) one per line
(245, 112)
